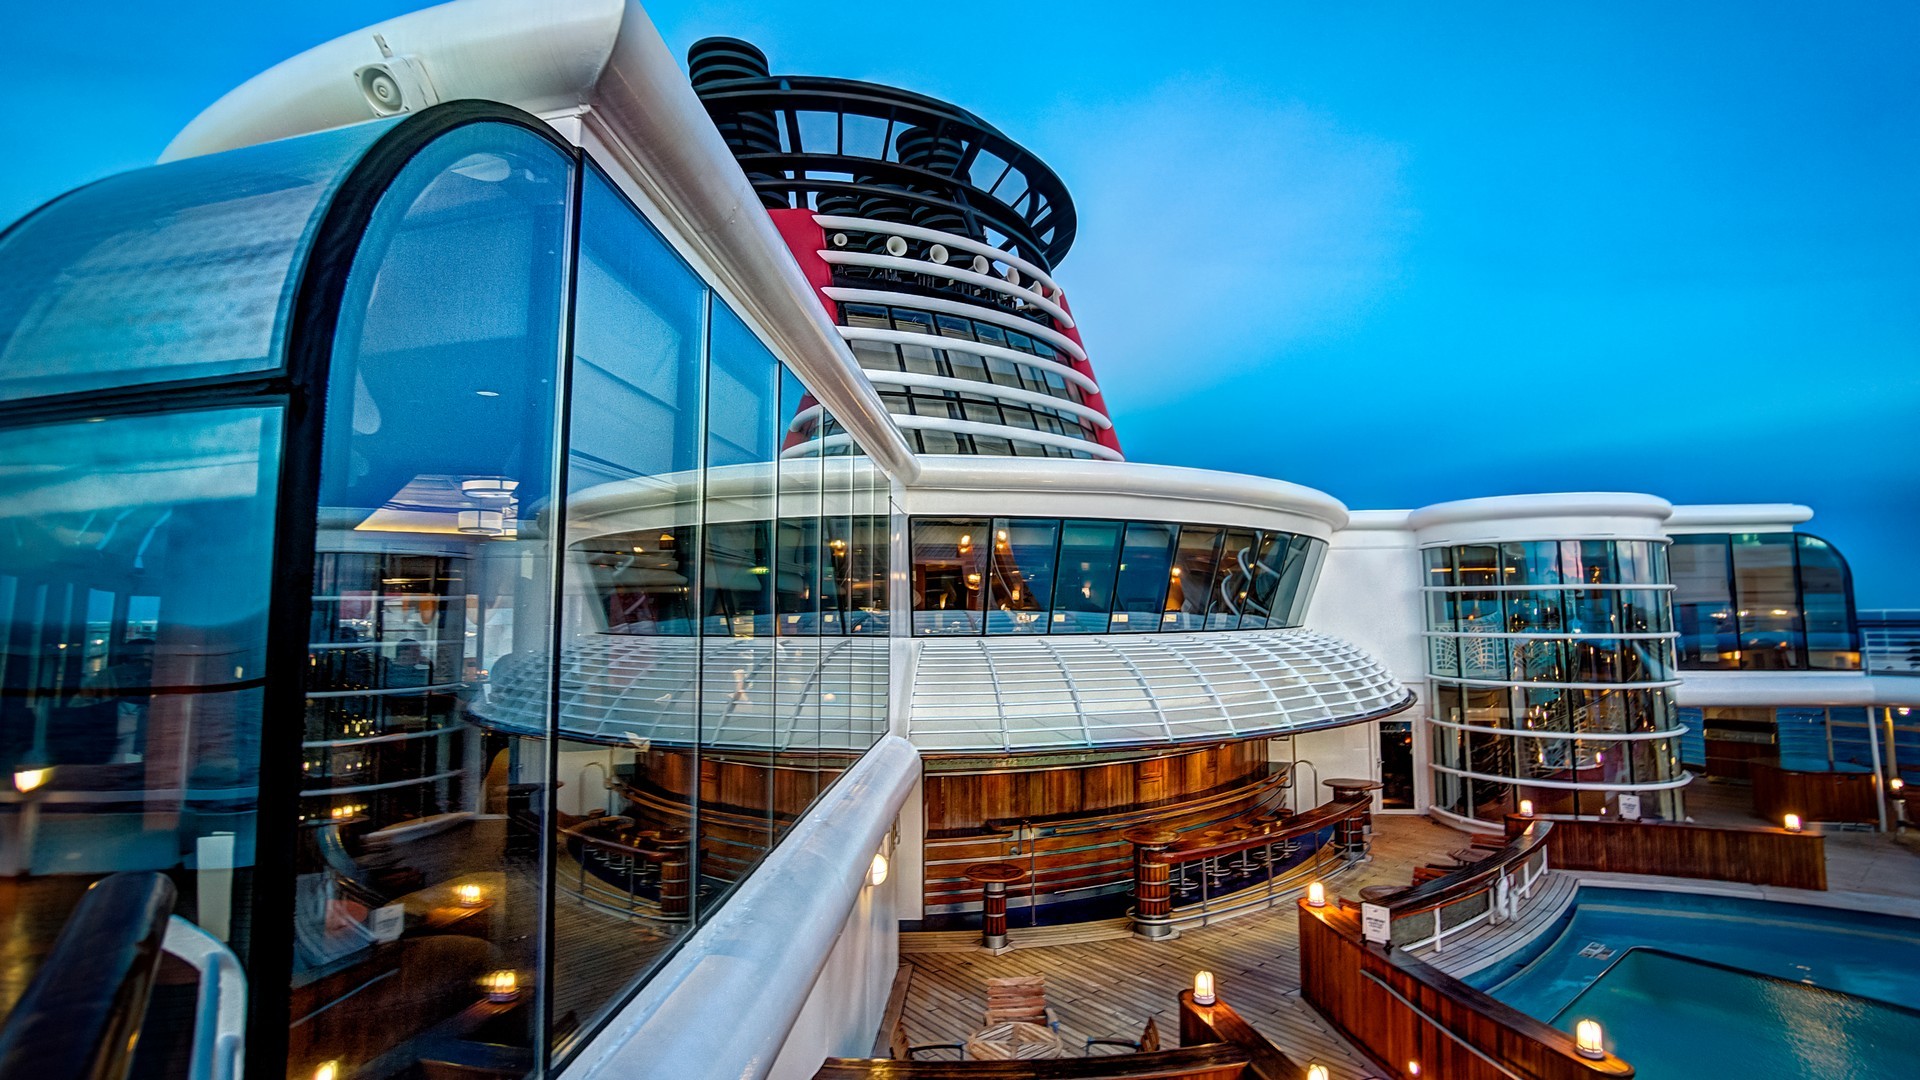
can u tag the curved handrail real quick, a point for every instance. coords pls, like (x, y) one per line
(80, 1016)
(1281, 829)
(1473, 878)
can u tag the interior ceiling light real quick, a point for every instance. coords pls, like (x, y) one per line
(489, 488)
(482, 522)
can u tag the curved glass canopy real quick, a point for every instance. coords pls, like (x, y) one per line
(180, 271)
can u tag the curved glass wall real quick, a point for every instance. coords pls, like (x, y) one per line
(1551, 665)
(1763, 602)
(575, 649)
(1073, 576)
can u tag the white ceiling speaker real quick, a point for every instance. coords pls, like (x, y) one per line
(937, 254)
(981, 265)
(896, 247)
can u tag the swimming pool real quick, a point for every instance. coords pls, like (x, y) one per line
(1690, 985)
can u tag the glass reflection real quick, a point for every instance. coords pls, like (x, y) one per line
(623, 807)
(1022, 575)
(135, 564)
(1083, 589)
(423, 819)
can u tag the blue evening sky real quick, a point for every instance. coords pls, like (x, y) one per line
(1400, 252)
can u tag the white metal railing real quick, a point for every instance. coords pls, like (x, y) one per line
(1501, 901)
(220, 1008)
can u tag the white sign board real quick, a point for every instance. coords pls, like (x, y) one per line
(1376, 924)
(1629, 807)
(385, 923)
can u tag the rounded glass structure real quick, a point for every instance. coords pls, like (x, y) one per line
(403, 559)
(1552, 665)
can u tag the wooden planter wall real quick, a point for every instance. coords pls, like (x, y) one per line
(1366, 990)
(1754, 855)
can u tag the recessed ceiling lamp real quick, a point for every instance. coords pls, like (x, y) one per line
(489, 488)
(482, 522)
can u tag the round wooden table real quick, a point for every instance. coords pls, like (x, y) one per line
(993, 878)
(1344, 786)
(1013, 1040)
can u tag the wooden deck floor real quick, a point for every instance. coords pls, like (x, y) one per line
(1109, 988)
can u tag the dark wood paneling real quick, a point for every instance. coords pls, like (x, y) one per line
(1201, 1025)
(1754, 855)
(1080, 812)
(1354, 984)
(1815, 796)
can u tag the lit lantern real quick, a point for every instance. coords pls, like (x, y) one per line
(1526, 807)
(1587, 1039)
(1792, 822)
(1203, 988)
(1896, 785)
(467, 895)
(1316, 1072)
(500, 985)
(328, 1070)
(1316, 895)
(877, 871)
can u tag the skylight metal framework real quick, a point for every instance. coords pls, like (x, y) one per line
(1014, 695)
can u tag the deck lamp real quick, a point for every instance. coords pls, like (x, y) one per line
(877, 870)
(501, 986)
(468, 896)
(1316, 1072)
(26, 781)
(1526, 807)
(1792, 822)
(1413, 1068)
(1203, 988)
(328, 1070)
(1316, 894)
(1897, 785)
(1588, 1041)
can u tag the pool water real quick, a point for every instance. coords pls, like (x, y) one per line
(1684, 982)
(1674, 1017)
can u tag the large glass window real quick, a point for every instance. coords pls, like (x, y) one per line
(1140, 593)
(949, 574)
(623, 816)
(1022, 578)
(1703, 602)
(1083, 585)
(1768, 606)
(135, 562)
(1190, 583)
(420, 848)
(1826, 603)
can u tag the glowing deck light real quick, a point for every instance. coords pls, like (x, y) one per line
(1588, 1039)
(1316, 894)
(1203, 988)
